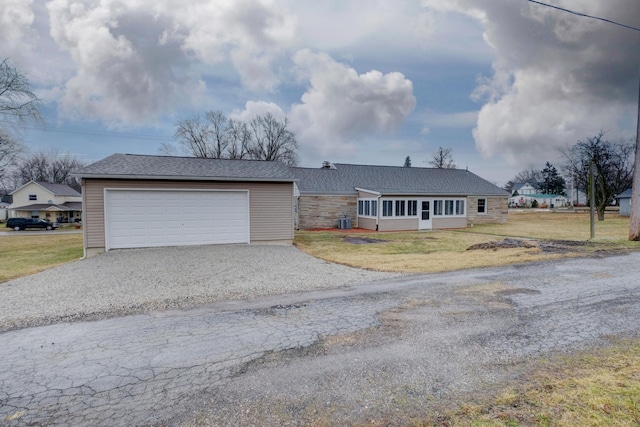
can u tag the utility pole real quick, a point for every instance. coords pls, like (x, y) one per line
(634, 224)
(592, 200)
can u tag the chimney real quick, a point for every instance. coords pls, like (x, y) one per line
(326, 164)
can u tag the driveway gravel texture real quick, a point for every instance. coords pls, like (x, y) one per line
(122, 282)
(385, 351)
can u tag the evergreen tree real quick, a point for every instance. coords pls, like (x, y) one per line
(552, 182)
(407, 162)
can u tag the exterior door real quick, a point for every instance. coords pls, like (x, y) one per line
(425, 215)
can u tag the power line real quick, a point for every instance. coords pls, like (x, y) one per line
(585, 15)
(105, 133)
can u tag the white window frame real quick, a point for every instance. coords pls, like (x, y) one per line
(485, 205)
(33, 197)
(393, 210)
(449, 207)
(412, 208)
(368, 205)
(387, 213)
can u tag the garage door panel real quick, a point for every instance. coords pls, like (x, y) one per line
(146, 218)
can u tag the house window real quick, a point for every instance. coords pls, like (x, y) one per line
(33, 197)
(400, 207)
(482, 206)
(412, 207)
(437, 207)
(387, 208)
(368, 207)
(448, 207)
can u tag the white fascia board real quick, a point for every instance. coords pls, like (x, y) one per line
(364, 190)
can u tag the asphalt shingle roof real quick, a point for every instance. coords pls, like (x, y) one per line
(68, 206)
(134, 166)
(625, 194)
(344, 178)
(55, 189)
(518, 185)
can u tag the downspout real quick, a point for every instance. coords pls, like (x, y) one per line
(83, 188)
(378, 209)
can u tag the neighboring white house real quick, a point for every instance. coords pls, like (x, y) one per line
(543, 200)
(53, 202)
(4, 211)
(525, 188)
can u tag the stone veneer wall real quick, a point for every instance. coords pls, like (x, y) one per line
(325, 211)
(497, 210)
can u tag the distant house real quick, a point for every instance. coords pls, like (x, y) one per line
(4, 211)
(387, 198)
(542, 200)
(624, 201)
(528, 187)
(53, 202)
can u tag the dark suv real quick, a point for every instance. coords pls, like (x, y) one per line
(22, 223)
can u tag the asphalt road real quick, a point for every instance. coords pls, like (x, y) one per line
(380, 351)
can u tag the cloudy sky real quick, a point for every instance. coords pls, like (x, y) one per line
(503, 83)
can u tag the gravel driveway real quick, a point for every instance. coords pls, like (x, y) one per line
(140, 280)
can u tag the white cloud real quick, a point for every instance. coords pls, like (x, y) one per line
(341, 105)
(258, 108)
(558, 77)
(16, 17)
(141, 59)
(253, 33)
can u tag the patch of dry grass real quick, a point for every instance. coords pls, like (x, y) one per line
(438, 251)
(598, 388)
(21, 255)
(557, 226)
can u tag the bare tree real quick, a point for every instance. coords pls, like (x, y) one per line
(613, 164)
(10, 148)
(272, 140)
(218, 133)
(194, 135)
(167, 149)
(530, 175)
(47, 167)
(61, 168)
(18, 104)
(216, 136)
(238, 138)
(443, 159)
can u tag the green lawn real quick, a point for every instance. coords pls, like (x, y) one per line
(22, 254)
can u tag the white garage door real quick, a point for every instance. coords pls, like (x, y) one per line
(146, 218)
